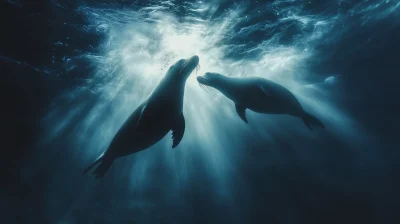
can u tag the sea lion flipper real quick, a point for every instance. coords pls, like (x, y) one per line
(241, 112)
(178, 130)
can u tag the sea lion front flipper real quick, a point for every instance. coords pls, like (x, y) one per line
(241, 112)
(178, 130)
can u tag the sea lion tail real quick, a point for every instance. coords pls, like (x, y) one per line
(310, 120)
(103, 167)
(98, 160)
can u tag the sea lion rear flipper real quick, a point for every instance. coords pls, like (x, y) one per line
(310, 120)
(178, 130)
(241, 112)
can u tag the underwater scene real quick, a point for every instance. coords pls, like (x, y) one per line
(132, 111)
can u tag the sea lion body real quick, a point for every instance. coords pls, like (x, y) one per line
(160, 113)
(259, 95)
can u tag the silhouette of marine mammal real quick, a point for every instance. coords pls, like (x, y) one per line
(153, 119)
(259, 95)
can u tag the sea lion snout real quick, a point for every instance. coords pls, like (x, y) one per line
(203, 80)
(194, 59)
(189, 65)
(208, 78)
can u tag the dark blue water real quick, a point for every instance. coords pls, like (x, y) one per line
(75, 70)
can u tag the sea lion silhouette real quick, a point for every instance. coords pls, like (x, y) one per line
(259, 95)
(153, 119)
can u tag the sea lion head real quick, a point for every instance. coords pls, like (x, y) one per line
(210, 79)
(184, 67)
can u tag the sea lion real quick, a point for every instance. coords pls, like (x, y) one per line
(160, 113)
(259, 95)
